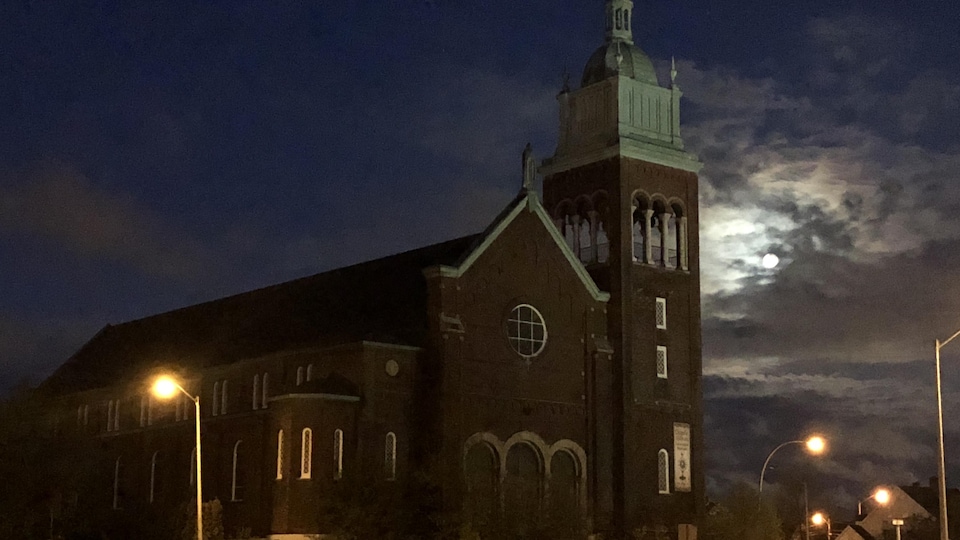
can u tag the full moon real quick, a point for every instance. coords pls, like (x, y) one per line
(770, 260)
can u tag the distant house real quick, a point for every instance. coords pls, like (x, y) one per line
(917, 505)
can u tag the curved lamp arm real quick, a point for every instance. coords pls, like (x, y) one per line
(767, 462)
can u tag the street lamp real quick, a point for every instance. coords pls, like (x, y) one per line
(897, 523)
(819, 519)
(942, 477)
(165, 388)
(881, 495)
(815, 445)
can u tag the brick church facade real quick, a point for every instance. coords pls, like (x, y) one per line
(543, 373)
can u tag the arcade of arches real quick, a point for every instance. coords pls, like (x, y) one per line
(523, 477)
(658, 229)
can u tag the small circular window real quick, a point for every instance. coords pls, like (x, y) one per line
(526, 330)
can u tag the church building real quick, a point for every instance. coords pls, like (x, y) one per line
(543, 376)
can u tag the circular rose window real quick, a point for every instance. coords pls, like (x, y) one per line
(526, 331)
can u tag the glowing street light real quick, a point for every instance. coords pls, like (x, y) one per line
(815, 445)
(881, 495)
(166, 387)
(820, 519)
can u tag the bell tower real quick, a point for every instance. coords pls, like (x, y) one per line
(623, 192)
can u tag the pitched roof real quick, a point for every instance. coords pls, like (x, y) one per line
(525, 200)
(929, 496)
(380, 300)
(855, 532)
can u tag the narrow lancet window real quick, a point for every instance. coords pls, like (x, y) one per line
(236, 482)
(390, 457)
(306, 453)
(663, 472)
(338, 454)
(280, 455)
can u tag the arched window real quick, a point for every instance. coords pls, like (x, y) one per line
(153, 476)
(390, 457)
(237, 480)
(144, 403)
(280, 455)
(256, 392)
(679, 238)
(216, 398)
(338, 454)
(299, 375)
(603, 244)
(640, 228)
(117, 488)
(482, 476)
(193, 466)
(306, 453)
(223, 397)
(671, 241)
(663, 471)
(564, 491)
(522, 485)
(569, 232)
(656, 239)
(309, 372)
(113, 415)
(266, 391)
(586, 242)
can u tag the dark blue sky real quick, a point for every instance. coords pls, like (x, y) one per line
(157, 154)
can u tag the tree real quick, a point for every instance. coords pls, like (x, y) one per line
(740, 516)
(364, 506)
(212, 520)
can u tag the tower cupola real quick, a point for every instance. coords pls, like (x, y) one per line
(619, 55)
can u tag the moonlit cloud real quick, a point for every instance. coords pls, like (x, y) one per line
(866, 230)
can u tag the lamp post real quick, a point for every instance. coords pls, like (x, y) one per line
(821, 519)
(815, 445)
(942, 477)
(166, 388)
(881, 495)
(897, 523)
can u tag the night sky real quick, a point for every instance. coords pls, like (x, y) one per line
(159, 154)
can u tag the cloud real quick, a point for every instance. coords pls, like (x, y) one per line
(56, 202)
(835, 168)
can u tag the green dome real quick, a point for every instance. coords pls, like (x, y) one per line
(603, 64)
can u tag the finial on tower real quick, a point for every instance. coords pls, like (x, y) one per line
(619, 27)
(529, 168)
(673, 70)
